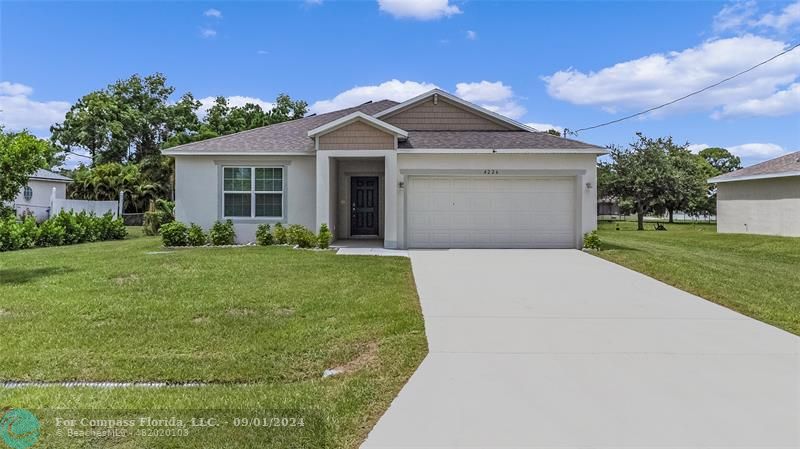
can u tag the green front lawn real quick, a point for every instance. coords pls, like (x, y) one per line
(258, 324)
(758, 276)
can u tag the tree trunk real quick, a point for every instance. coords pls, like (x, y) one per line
(639, 218)
(671, 213)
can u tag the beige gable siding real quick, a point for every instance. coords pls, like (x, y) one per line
(357, 136)
(443, 116)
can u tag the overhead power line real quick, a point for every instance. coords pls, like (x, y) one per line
(685, 96)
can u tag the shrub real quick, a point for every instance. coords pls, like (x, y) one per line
(7, 212)
(301, 236)
(592, 241)
(28, 233)
(7, 233)
(110, 228)
(73, 231)
(264, 235)
(174, 234)
(325, 237)
(279, 234)
(222, 233)
(151, 223)
(88, 227)
(196, 235)
(51, 233)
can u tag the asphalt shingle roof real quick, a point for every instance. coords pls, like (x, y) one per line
(50, 176)
(292, 137)
(785, 164)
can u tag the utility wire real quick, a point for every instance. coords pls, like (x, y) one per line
(685, 96)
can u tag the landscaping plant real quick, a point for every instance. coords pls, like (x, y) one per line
(325, 237)
(174, 234)
(222, 233)
(66, 228)
(196, 235)
(592, 241)
(279, 234)
(301, 236)
(264, 235)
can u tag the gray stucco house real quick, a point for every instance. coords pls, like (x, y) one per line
(761, 199)
(34, 197)
(431, 172)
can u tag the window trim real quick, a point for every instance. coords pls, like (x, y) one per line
(252, 217)
(25, 195)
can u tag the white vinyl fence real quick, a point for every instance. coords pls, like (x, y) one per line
(96, 207)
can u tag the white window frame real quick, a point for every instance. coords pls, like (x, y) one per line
(253, 192)
(25, 195)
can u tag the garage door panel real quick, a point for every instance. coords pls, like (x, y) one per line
(478, 212)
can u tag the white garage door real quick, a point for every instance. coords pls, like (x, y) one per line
(491, 212)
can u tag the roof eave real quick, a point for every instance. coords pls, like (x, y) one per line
(723, 179)
(353, 117)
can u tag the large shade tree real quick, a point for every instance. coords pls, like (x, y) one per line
(21, 154)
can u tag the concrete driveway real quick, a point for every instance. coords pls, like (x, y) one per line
(560, 349)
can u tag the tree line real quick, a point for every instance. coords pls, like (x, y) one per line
(658, 176)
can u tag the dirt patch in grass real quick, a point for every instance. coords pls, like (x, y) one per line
(200, 320)
(241, 312)
(126, 279)
(4, 313)
(284, 312)
(367, 356)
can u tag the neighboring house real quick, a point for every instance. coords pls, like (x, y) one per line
(431, 172)
(762, 199)
(608, 206)
(35, 196)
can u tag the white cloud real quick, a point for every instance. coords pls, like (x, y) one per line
(759, 151)
(658, 78)
(544, 127)
(313, 2)
(18, 111)
(234, 100)
(208, 33)
(419, 9)
(787, 18)
(735, 15)
(783, 102)
(494, 96)
(698, 147)
(392, 90)
(471, 35)
(215, 13)
(13, 89)
(262, 52)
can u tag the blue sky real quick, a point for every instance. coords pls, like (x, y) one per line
(569, 64)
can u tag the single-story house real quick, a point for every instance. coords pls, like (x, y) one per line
(34, 198)
(761, 199)
(431, 172)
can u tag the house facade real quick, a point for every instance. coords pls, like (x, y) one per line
(432, 172)
(35, 197)
(761, 199)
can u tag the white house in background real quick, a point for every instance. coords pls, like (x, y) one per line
(761, 199)
(431, 172)
(35, 196)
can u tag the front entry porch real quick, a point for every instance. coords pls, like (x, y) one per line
(354, 198)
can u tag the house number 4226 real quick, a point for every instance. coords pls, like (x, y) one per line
(491, 171)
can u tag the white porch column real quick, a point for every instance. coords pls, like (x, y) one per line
(390, 224)
(323, 198)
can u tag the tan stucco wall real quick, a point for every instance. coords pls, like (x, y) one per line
(440, 117)
(198, 190)
(766, 206)
(357, 136)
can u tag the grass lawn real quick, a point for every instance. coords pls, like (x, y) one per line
(260, 325)
(756, 275)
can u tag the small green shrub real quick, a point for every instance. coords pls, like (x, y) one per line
(592, 241)
(151, 222)
(28, 233)
(7, 233)
(222, 233)
(89, 227)
(51, 233)
(279, 234)
(174, 234)
(264, 235)
(325, 237)
(301, 236)
(110, 228)
(73, 232)
(196, 235)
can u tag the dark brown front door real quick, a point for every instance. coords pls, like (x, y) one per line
(364, 209)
